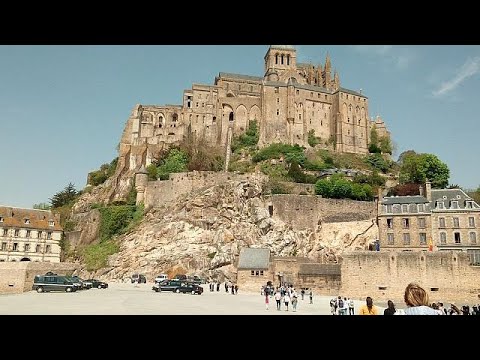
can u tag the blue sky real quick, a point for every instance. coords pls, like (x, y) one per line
(63, 108)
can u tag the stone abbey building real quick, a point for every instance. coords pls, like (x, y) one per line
(288, 102)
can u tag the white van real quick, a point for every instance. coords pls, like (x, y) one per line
(161, 277)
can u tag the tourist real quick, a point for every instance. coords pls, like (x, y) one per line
(286, 300)
(311, 297)
(294, 300)
(303, 293)
(417, 301)
(278, 299)
(351, 307)
(368, 308)
(390, 310)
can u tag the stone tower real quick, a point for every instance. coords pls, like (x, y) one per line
(280, 58)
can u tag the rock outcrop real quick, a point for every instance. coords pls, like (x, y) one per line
(203, 232)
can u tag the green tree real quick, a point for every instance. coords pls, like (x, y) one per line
(385, 145)
(176, 161)
(42, 206)
(64, 197)
(373, 145)
(417, 168)
(152, 172)
(312, 139)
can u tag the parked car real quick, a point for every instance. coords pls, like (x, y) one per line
(198, 280)
(139, 278)
(80, 283)
(167, 285)
(191, 288)
(98, 284)
(46, 283)
(161, 278)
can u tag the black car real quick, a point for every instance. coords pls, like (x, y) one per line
(167, 285)
(97, 283)
(139, 279)
(191, 288)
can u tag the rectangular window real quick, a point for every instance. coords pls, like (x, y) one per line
(421, 223)
(38, 248)
(456, 237)
(48, 249)
(441, 222)
(473, 237)
(439, 204)
(406, 223)
(456, 222)
(49, 235)
(278, 111)
(252, 273)
(5, 232)
(16, 233)
(468, 205)
(423, 238)
(454, 204)
(474, 257)
(390, 239)
(15, 247)
(390, 223)
(443, 238)
(39, 234)
(28, 234)
(26, 247)
(471, 221)
(261, 272)
(420, 208)
(406, 239)
(256, 273)
(389, 209)
(404, 208)
(4, 246)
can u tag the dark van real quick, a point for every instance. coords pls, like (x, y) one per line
(46, 283)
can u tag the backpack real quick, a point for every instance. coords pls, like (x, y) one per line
(340, 303)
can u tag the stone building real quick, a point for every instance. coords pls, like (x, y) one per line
(29, 235)
(288, 102)
(253, 268)
(446, 219)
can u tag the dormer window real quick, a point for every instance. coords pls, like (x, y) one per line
(51, 223)
(454, 204)
(404, 208)
(27, 221)
(468, 205)
(439, 204)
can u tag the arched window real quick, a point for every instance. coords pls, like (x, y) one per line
(174, 117)
(230, 117)
(161, 121)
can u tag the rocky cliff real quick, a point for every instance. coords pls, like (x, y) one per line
(203, 231)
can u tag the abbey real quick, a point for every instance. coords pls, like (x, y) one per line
(291, 101)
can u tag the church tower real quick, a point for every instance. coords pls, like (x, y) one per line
(280, 58)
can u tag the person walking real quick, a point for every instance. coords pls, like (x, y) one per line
(286, 300)
(351, 307)
(303, 293)
(311, 297)
(294, 300)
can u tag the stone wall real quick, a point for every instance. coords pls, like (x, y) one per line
(446, 275)
(160, 192)
(17, 277)
(307, 211)
(248, 283)
(321, 284)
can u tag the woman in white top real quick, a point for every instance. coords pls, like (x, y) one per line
(286, 300)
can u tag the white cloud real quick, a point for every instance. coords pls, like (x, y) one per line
(468, 69)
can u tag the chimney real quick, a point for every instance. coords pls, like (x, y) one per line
(428, 190)
(420, 189)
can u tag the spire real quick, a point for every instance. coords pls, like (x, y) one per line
(336, 80)
(328, 65)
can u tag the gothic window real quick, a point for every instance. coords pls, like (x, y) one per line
(230, 117)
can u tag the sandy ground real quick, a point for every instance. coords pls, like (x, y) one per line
(140, 299)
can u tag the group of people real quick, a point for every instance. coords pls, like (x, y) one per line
(286, 295)
(342, 306)
(418, 303)
(229, 287)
